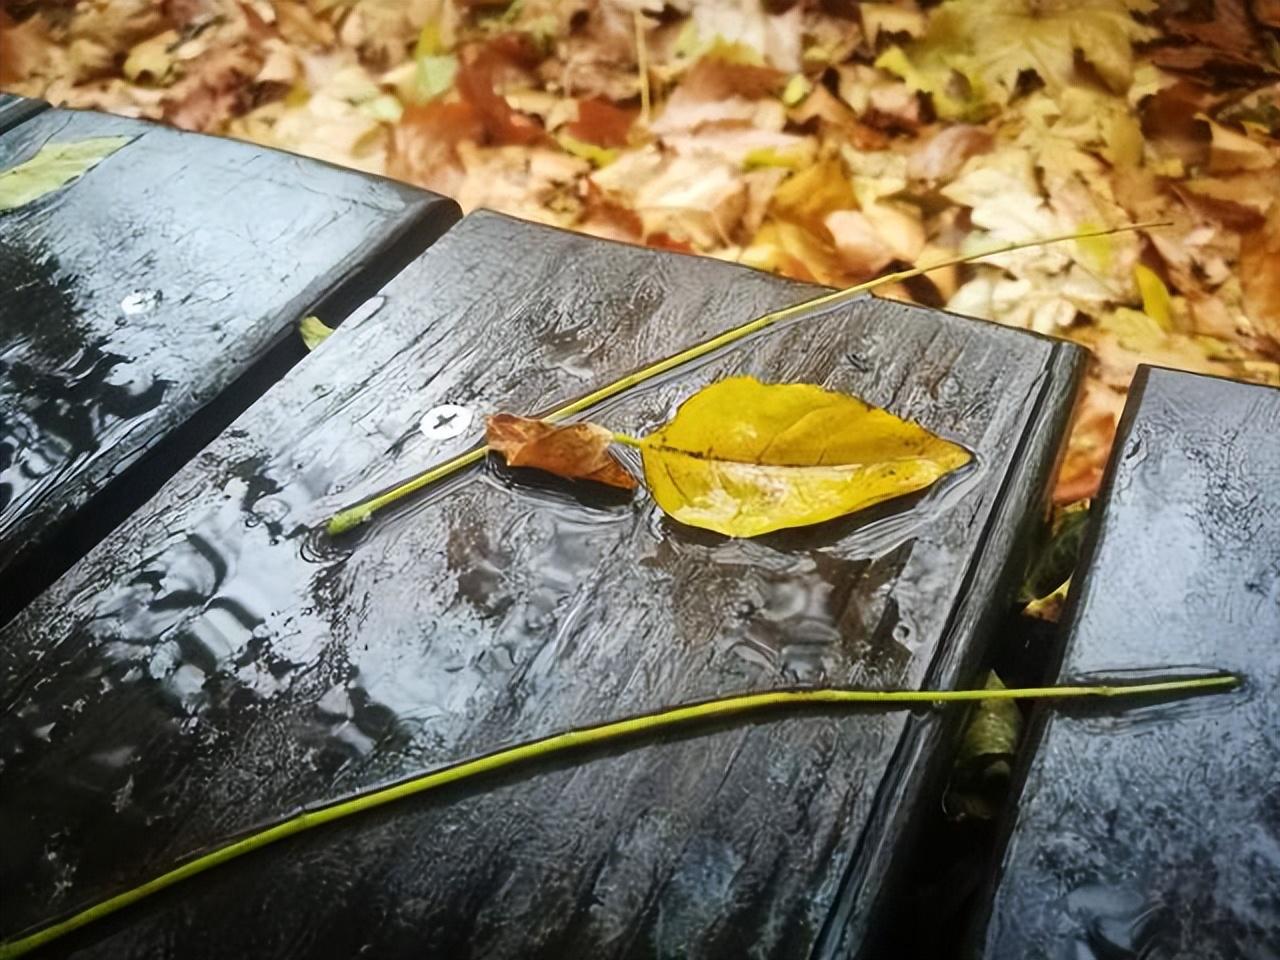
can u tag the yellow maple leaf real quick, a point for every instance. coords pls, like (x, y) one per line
(985, 45)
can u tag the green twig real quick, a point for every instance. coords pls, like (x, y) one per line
(545, 747)
(358, 514)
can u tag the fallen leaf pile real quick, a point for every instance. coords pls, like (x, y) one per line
(744, 458)
(826, 140)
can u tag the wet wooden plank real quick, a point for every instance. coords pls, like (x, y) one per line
(150, 301)
(219, 662)
(1153, 832)
(15, 109)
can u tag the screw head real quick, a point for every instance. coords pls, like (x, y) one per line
(445, 422)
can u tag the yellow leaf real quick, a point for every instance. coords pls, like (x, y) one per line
(948, 77)
(435, 74)
(990, 42)
(152, 59)
(811, 194)
(773, 157)
(797, 89)
(1134, 330)
(1156, 303)
(598, 156)
(745, 458)
(56, 165)
(313, 331)
(430, 41)
(1097, 253)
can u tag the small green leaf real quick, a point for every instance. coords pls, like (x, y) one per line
(598, 156)
(385, 107)
(436, 74)
(1054, 565)
(772, 157)
(985, 761)
(797, 89)
(1156, 302)
(313, 332)
(56, 165)
(993, 729)
(430, 43)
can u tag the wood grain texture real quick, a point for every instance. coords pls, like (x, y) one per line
(219, 662)
(15, 109)
(1154, 831)
(150, 301)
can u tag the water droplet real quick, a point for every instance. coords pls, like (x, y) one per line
(140, 301)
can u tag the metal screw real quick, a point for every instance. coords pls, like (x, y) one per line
(445, 421)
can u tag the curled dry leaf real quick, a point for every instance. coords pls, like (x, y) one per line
(943, 154)
(745, 458)
(576, 451)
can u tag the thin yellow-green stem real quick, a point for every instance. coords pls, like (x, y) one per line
(545, 747)
(642, 67)
(358, 514)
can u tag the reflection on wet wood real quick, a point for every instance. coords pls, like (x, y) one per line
(150, 301)
(218, 662)
(14, 109)
(1152, 832)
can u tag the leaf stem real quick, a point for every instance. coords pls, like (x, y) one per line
(544, 747)
(642, 67)
(355, 515)
(628, 441)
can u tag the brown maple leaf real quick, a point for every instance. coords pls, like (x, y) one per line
(576, 451)
(1219, 42)
(602, 123)
(477, 80)
(1260, 275)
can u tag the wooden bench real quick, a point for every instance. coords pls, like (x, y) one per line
(150, 301)
(1154, 831)
(219, 662)
(13, 110)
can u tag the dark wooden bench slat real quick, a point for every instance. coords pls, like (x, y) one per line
(15, 109)
(1155, 831)
(147, 303)
(217, 663)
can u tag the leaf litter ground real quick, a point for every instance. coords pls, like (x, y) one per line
(826, 141)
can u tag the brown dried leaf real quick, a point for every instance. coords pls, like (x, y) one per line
(578, 451)
(1171, 119)
(1260, 275)
(1230, 213)
(23, 47)
(503, 125)
(824, 112)
(424, 144)
(693, 199)
(859, 244)
(602, 123)
(943, 154)
(1217, 40)
(1232, 152)
(1267, 12)
(715, 91)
